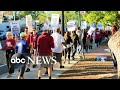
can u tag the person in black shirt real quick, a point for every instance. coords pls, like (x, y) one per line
(76, 41)
(68, 41)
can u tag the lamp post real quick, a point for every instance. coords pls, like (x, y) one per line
(36, 21)
(82, 47)
(62, 23)
(14, 13)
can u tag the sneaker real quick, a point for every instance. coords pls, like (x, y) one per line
(115, 69)
(27, 70)
(73, 58)
(61, 66)
(20, 77)
(34, 66)
(64, 61)
(68, 62)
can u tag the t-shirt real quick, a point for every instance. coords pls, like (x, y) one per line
(58, 39)
(22, 46)
(9, 41)
(97, 35)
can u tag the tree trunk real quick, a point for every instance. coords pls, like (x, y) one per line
(114, 45)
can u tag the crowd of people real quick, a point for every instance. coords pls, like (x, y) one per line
(29, 44)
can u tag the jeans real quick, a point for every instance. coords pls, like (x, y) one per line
(74, 50)
(9, 54)
(67, 51)
(114, 60)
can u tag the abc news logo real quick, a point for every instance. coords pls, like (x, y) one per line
(38, 60)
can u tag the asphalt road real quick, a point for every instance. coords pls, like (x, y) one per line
(2, 54)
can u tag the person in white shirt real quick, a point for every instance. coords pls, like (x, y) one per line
(59, 43)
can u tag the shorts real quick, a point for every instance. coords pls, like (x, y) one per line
(58, 56)
(46, 61)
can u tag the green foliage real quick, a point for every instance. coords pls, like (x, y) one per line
(8, 12)
(103, 17)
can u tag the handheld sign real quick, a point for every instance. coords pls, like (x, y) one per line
(54, 20)
(71, 26)
(29, 22)
(83, 25)
(15, 27)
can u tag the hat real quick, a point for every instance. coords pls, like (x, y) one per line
(45, 28)
(22, 34)
(56, 26)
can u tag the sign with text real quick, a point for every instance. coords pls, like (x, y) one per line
(1, 16)
(29, 22)
(100, 26)
(15, 27)
(71, 26)
(55, 20)
(83, 25)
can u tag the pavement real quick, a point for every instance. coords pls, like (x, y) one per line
(33, 73)
(57, 70)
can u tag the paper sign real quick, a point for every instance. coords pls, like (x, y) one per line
(55, 20)
(71, 26)
(15, 27)
(83, 25)
(29, 22)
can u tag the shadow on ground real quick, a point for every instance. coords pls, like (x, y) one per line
(90, 69)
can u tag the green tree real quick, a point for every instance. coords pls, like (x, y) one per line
(8, 12)
(103, 17)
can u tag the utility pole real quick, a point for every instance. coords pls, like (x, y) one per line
(62, 23)
(79, 18)
(14, 15)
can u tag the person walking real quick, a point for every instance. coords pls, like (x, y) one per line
(59, 42)
(97, 37)
(9, 46)
(113, 31)
(76, 42)
(34, 53)
(22, 51)
(45, 43)
(68, 42)
(29, 39)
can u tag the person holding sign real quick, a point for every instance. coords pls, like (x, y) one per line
(9, 49)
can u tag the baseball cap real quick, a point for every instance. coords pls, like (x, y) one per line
(56, 26)
(22, 34)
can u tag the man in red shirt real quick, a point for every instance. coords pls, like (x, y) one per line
(97, 37)
(29, 39)
(34, 37)
(44, 43)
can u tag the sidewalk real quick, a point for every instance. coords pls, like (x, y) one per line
(57, 71)
(33, 73)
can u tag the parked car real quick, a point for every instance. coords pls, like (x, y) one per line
(3, 34)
